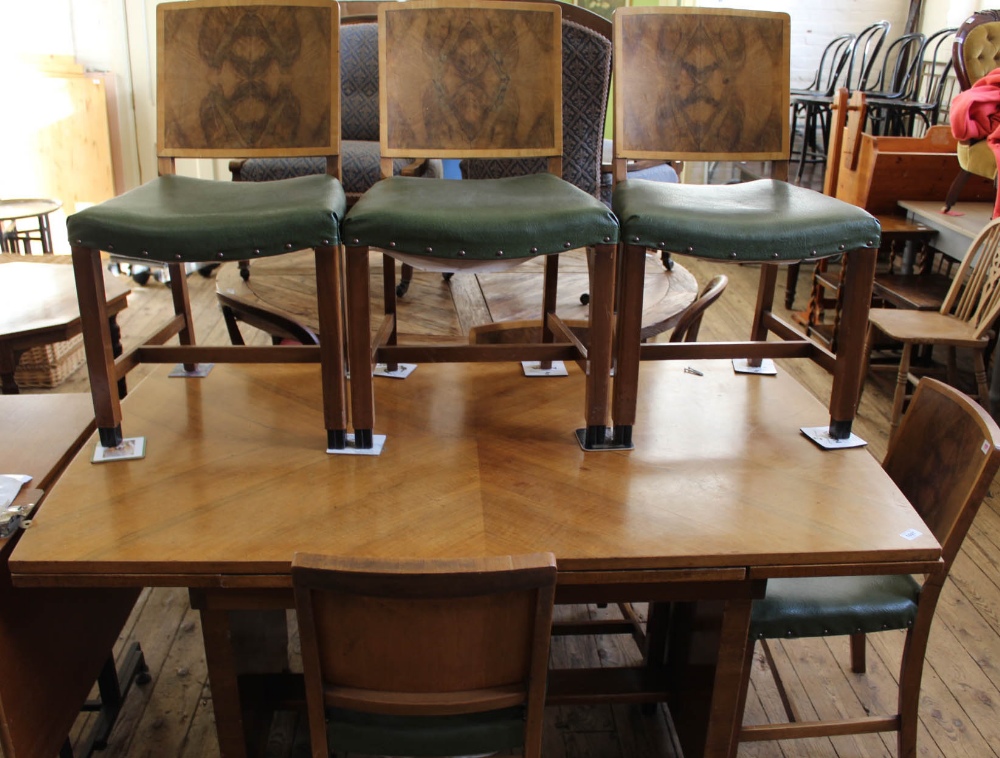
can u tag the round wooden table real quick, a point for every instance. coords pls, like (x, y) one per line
(435, 309)
(13, 210)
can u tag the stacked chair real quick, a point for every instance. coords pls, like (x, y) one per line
(494, 91)
(209, 100)
(680, 95)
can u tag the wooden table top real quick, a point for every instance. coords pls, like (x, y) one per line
(969, 221)
(13, 209)
(479, 461)
(42, 432)
(37, 297)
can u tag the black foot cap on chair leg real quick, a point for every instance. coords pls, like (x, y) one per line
(402, 287)
(111, 436)
(840, 430)
(336, 439)
(363, 439)
(596, 438)
(622, 435)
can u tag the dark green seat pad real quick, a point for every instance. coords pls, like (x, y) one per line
(476, 219)
(834, 605)
(465, 734)
(754, 221)
(177, 218)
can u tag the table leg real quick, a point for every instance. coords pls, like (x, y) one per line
(8, 365)
(225, 686)
(705, 657)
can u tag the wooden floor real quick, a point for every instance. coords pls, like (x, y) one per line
(960, 704)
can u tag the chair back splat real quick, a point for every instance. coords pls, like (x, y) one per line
(235, 78)
(425, 658)
(698, 84)
(944, 459)
(491, 89)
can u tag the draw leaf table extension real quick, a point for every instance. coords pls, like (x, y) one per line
(721, 493)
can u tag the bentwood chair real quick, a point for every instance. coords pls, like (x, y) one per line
(681, 94)
(494, 90)
(250, 78)
(425, 658)
(965, 319)
(944, 460)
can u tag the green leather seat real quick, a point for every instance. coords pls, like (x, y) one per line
(481, 219)
(763, 220)
(834, 605)
(462, 734)
(178, 218)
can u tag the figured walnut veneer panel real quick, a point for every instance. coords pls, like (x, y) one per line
(250, 80)
(700, 85)
(460, 81)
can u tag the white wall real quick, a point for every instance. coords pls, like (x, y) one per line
(816, 22)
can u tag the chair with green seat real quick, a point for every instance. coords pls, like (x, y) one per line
(695, 84)
(944, 460)
(493, 91)
(251, 77)
(425, 658)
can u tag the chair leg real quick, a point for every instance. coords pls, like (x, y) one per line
(389, 292)
(182, 306)
(235, 335)
(359, 347)
(859, 664)
(979, 367)
(902, 382)
(549, 291)
(623, 405)
(601, 319)
(98, 344)
(791, 284)
(329, 286)
(779, 683)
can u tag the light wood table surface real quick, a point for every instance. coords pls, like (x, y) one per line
(721, 492)
(955, 232)
(53, 642)
(38, 306)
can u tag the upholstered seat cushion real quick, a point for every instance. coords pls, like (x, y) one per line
(834, 605)
(377, 734)
(753, 221)
(177, 218)
(484, 219)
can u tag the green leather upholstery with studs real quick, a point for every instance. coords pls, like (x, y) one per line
(834, 605)
(461, 734)
(178, 218)
(763, 220)
(481, 219)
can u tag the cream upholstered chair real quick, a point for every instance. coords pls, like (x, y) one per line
(697, 84)
(234, 77)
(493, 91)
(425, 658)
(944, 460)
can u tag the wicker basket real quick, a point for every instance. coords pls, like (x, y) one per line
(48, 366)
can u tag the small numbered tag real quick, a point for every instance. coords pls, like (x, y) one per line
(986, 446)
(911, 534)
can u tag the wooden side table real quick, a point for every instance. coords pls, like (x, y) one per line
(13, 210)
(38, 306)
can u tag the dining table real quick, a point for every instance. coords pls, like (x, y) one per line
(721, 493)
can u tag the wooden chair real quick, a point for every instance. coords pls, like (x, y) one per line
(452, 106)
(965, 319)
(944, 460)
(687, 323)
(215, 99)
(425, 658)
(681, 94)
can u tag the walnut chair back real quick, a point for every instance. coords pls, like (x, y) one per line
(398, 654)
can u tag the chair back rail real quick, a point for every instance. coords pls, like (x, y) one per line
(213, 99)
(487, 77)
(425, 638)
(976, 51)
(943, 459)
(698, 89)
(975, 296)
